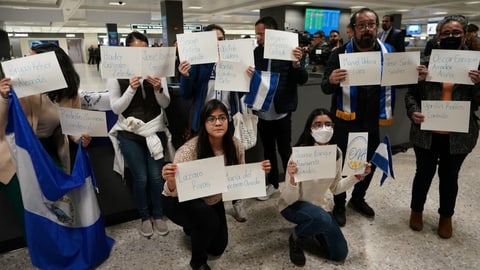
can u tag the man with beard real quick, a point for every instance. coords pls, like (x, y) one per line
(357, 108)
(334, 40)
(391, 35)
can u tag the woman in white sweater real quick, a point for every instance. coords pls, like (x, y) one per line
(304, 203)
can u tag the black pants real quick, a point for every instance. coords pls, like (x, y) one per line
(276, 133)
(341, 139)
(448, 168)
(206, 224)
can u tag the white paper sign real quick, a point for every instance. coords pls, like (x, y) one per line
(76, 121)
(452, 65)
(126, 62)
(198, 48)
(201, 178)
(280, 45)
(245, 181)
(356, 154)
(400, 68)
(34, 74)
(232, 76)
(363, 68)
(446, 115)
(315, 162)
(238, 50)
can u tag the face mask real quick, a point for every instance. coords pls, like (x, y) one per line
(322, 135)
(450, 43)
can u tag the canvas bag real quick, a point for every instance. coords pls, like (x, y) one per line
(245, 124)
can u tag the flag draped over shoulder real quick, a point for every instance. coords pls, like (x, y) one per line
(262, 90)
(64, 229)
(382, 158)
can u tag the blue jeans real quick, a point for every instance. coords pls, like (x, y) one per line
(314, 221)
(144, 170)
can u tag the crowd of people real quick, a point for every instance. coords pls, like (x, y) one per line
(210, 133)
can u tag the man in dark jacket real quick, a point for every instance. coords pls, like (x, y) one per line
(275, 125)
(390, 35)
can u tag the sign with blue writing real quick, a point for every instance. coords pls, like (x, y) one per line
(238, 50)
(446, 115)
(315, 162)
(201, 178)
(231, 76)
(400, 68)
(356, 154)
(34, 74)
(245, 181)
(126, 62)
(76, 122)
(363, 68)
(198, 48)
(452, 65)
(280, 45)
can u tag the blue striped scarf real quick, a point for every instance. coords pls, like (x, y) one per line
(347, 99)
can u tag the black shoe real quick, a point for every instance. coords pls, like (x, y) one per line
(201, 267)
(339, 215)
(362, 207)
(296, 252)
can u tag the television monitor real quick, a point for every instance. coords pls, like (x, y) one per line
(431, 28)
(33, 43)
(321, 19)
(414, 29)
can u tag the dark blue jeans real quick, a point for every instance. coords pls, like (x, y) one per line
(448, 168)
(314, 221)
(144, 170)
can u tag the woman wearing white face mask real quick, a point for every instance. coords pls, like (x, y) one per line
(304, 203)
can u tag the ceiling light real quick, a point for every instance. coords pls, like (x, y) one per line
(403, 10)
(472, 2)
(20, 35)
(440, 13)
(195, 7)
(119, 3)
(70, 35)
(357, 7)
(301, 3)
(255, 10)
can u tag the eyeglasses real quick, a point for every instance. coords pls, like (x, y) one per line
(317, 125)
(363, 25)
(213, 119)
(455, 33)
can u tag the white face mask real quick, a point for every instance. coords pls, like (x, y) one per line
(322, 135)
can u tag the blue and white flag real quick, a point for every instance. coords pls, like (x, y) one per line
(262, 90)
(382, 158)
(64, 229)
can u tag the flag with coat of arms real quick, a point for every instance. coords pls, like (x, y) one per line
(64, 228)
(382, 158)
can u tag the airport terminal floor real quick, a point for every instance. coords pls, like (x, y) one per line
(384, 242)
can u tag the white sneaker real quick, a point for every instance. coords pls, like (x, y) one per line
(146, 229)
(239, 212)
(270, 191)
(160, 226)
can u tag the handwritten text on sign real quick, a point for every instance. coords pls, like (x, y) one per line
(34, 74)
(400, 68)
(201, 178)
(315, 162)
(356, 154)
(232, 76)
(363, 68)
(76, 121)
(452, 65)
(280, 45)
(198, 48)
(446, 115)
(238, 50)
(245, 181)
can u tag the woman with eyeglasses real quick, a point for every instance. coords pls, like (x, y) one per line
(304, 203)
(438, 148)
(204, 218)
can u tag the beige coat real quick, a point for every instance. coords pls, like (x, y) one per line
(31, 106)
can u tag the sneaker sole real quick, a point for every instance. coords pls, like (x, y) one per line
(162, 233)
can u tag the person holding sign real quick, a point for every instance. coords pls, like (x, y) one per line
(441, 148)
(41, 111)
(204, 218)
(303, 203)
(140, 137)
(197, 82)
(358, 108)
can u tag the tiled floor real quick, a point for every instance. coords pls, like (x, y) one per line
(385, 242)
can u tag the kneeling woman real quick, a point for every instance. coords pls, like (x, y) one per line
(297, 200)
(204, 219)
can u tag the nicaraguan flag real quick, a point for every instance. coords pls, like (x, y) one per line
(262, 90)
(382, 158)
(64, 229)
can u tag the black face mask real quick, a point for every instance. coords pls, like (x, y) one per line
(450, 43)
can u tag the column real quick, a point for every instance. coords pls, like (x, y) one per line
(172, 20)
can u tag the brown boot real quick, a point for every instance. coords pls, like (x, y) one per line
(416, 220)
(445, 227)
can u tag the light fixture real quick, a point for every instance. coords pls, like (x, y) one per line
(357, 7)
(70, 35)
(472, 2)
(20, 35)
(119, 3)
(403, 10)
(301, 3)
(195, 7)
(440, 13)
